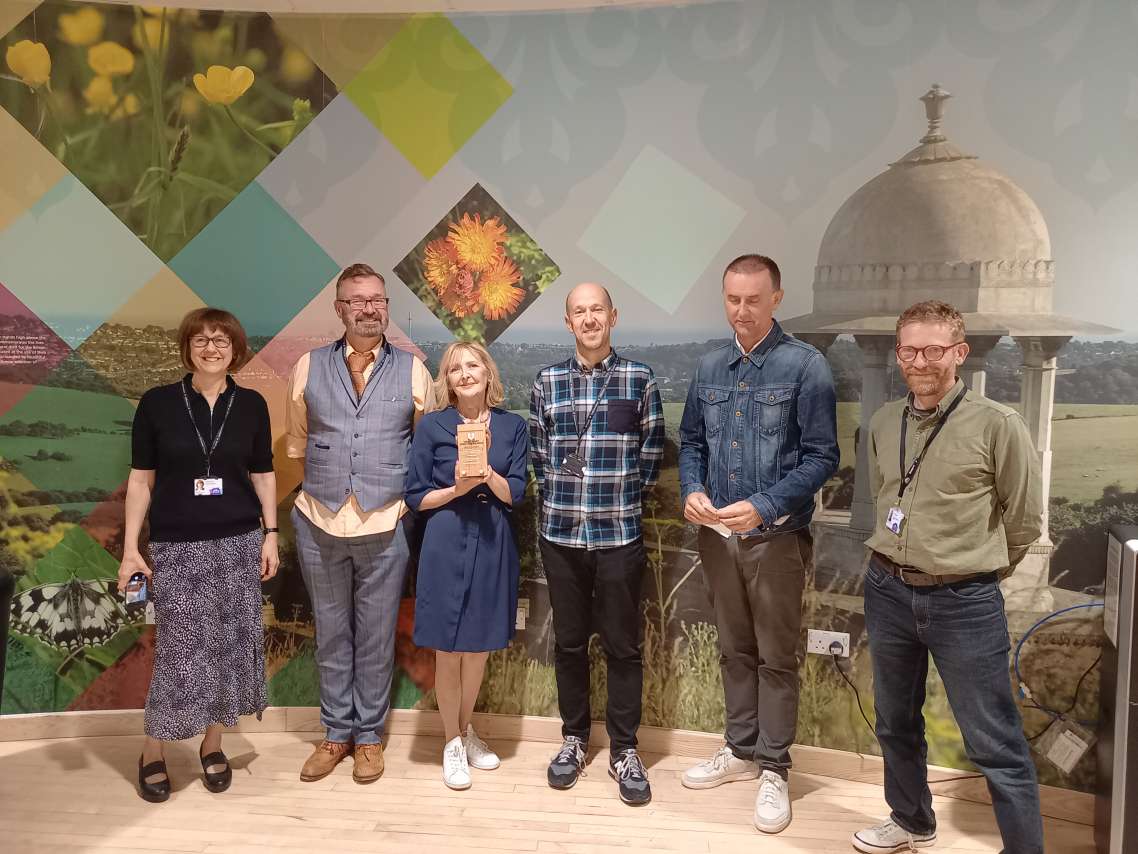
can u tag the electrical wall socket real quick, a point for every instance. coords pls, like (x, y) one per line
(818, 642)
(522, 615)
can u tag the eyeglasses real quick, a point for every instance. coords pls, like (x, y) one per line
(361, 303)
(932, 353)
(221, 342)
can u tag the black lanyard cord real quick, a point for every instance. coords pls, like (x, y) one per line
(208, 452)
(911, 471)
(581, 431)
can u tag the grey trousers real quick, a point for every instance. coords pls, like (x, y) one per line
(355, 584)
(756, 591)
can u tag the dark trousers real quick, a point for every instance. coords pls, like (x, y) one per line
(964, 627)
(603, 584)
(756, 591)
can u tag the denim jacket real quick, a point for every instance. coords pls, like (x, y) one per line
(761, 427)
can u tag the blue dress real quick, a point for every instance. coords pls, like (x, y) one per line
(467, 588)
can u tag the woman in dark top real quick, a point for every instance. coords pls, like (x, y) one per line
(202, 464)
(467, 587)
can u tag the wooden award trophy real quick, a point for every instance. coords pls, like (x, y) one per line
(472, 446)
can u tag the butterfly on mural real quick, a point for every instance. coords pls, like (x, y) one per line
(70, 616)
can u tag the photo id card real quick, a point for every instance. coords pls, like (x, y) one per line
(207, 486)
(895, 520)
(573, 464)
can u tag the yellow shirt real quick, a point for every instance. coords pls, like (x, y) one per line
(350, 520)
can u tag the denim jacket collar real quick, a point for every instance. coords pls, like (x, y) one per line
(760, 352)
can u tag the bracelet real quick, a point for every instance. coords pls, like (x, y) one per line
(270, 530)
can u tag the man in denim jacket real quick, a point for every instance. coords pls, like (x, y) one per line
(757, 441)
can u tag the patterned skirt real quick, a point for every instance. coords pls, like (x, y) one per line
(209, 660)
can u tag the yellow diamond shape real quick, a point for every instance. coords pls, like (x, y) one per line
(428, 91)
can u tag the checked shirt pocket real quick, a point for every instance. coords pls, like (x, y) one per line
(624, 416)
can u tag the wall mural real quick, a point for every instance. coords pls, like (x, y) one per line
(157, 161)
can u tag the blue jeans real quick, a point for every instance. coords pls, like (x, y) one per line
(964, 627)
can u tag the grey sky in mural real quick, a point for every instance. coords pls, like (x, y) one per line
(786, 109)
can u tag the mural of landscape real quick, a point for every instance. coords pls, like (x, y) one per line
(485, 165)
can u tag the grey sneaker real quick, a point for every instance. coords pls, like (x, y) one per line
(568, 764)
(888, 837)
(772, 804)
(632, 779)
(723, 767)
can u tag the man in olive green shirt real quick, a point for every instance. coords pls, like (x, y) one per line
(956, 482)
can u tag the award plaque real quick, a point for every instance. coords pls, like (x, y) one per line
(472, 450)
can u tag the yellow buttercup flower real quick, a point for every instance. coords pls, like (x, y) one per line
(478, 243)
(221, 85)
(30, 61)
(99, 95)
(101, 98)
(129, 106)
(150, 34)
(82, 27)
(497, 293)
(110, 59)
(296, 67)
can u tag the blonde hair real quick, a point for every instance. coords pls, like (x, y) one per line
(444, 394)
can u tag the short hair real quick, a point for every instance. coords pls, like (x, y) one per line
(198, 320)
(357, 271)
(444, 396)
(748, 265)
(604, 290)
(933, 311)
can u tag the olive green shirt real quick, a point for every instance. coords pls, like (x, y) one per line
(976, 503)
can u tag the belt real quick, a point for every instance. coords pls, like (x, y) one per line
(918, 578)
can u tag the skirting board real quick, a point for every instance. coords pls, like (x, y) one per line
(820, 761)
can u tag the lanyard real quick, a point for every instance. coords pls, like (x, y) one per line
(911, 472)
(208, 453)
(581, 431)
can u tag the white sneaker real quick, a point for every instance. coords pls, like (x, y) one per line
(456, 773)
(772, 806)
(478, 753)
(888, 837)
(723, 767)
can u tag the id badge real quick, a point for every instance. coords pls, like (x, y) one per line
(895, 520)
(573, 464)
(207, 486)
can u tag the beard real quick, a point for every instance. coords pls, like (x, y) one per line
(365, 328)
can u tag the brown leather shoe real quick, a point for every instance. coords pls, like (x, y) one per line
(324, 759)
(369, 763)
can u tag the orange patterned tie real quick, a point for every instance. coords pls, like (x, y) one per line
(357, 364)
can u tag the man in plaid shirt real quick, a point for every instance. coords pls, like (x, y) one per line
(596, 440)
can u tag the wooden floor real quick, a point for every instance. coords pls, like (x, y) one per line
(78, 794)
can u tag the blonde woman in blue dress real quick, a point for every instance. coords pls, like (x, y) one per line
(467, 586)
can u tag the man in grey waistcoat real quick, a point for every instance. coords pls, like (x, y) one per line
(350, 411)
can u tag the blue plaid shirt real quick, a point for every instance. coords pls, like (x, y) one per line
(622, 448)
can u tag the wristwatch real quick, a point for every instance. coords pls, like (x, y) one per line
(270, 530)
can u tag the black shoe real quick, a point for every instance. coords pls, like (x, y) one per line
(216, 781)
(158, 792)
(568, 764)
(632, 780)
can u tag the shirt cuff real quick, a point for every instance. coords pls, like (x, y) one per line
(687, 489)
(766, 510)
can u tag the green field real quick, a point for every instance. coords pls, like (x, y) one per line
(1089, 442)
(98, 459)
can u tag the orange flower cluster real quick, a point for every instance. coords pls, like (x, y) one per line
(470, 271)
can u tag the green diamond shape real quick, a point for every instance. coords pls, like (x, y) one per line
(428, 91)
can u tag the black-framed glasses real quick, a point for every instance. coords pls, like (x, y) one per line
(932, 353)
(221, 342)
(361, 303)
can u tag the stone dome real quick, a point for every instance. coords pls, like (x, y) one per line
(936, 205)
(936, 211)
